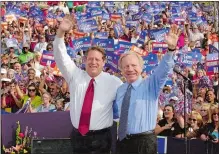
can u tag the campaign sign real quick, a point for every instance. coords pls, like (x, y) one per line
(196, 50)
(159, 47)
(160, 34)
(118, 30)
(138, 50)
(70, 51)
(107, 4)
(112, 61)
(107, 44)
(212, 49)
(84, 17)
(137, 16)
(82, 44)
(124, 46)
(189, 58)
(131, 23)
(47, 59)
(88, 27)
(93, 4)
(12, 43)
(150, 63)
(101, 35)
(115, 16)
(95, 12)
(147, 17)
(192, 16)
(161, 144)
(212, 63)
(133, 8)
(105, 16)
(142, 37)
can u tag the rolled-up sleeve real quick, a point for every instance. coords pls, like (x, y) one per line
(66, 66)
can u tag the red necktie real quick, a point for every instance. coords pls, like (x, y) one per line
(84, 122)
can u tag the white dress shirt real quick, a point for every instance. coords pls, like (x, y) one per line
(105, 87)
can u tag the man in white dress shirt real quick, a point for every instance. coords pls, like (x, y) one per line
(92, 93)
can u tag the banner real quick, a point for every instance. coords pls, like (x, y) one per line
(107, 44)
(95, 12)
(88, 27)
(160, 34)
(212, 49)
(101, 35)
(142, 37)
(159, 47)
(150, 63)
(118, 30)
(81, 44)
(189, 59)
(47, 59)
(212, 63)
(138, 50)
(112, 61)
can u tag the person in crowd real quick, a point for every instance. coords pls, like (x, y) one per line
(26, 54)
(194, 125)
(95, 126)
(32, 94)
(137, 126)
(46, 105)
(10, 98)
(41, 45)
(210, 132)
(169, 126)
(210, 97)
(205, 112)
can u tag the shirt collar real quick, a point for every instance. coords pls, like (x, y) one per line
(136, 83)
(96, 79)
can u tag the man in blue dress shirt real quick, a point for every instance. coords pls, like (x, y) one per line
(137, 100)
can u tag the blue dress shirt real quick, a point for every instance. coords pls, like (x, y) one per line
(144, 97)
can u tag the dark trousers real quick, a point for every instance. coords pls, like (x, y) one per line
(97, 142)
(145, 144)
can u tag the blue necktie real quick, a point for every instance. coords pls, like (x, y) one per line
(124, 114)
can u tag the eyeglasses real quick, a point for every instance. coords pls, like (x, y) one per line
(215, 114)
(33, 90)
(194, 120)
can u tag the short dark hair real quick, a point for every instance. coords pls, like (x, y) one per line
(97, 48)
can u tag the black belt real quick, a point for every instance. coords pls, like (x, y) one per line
(93, 132)
(140, 134)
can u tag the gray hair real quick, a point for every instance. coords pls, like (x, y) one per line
(140, 59)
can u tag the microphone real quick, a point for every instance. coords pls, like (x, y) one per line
(177, 71)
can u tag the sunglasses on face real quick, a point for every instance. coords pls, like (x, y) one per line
(33, 90)
(194, 120)
(49, 48)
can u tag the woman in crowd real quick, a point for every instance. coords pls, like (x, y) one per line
(32, 93)
(46, 105)
(205, 112)
(169, 125)
(210, 97)
(194, 124)
(211, 130)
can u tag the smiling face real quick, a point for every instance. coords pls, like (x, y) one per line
(94, 63)
(131, 68)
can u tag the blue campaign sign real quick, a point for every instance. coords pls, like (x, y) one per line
(96, 12)
(160, 34)
(131, 23)
(192, 16)
(137, 16)
(150, 63)
(118, 30)
(105, 16)
(88, 27)
(107, 4)
(142, 37)
(134, 9)
(107, 44)
(112, 61)
(71, 52)
(125, 46)
(83, 17)
(147, 17)
(196, 50)
(189, 58)
(101, 35)
(162, 144)
(93, 4)
(47, 59)
(81, 44)
(213, 49)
